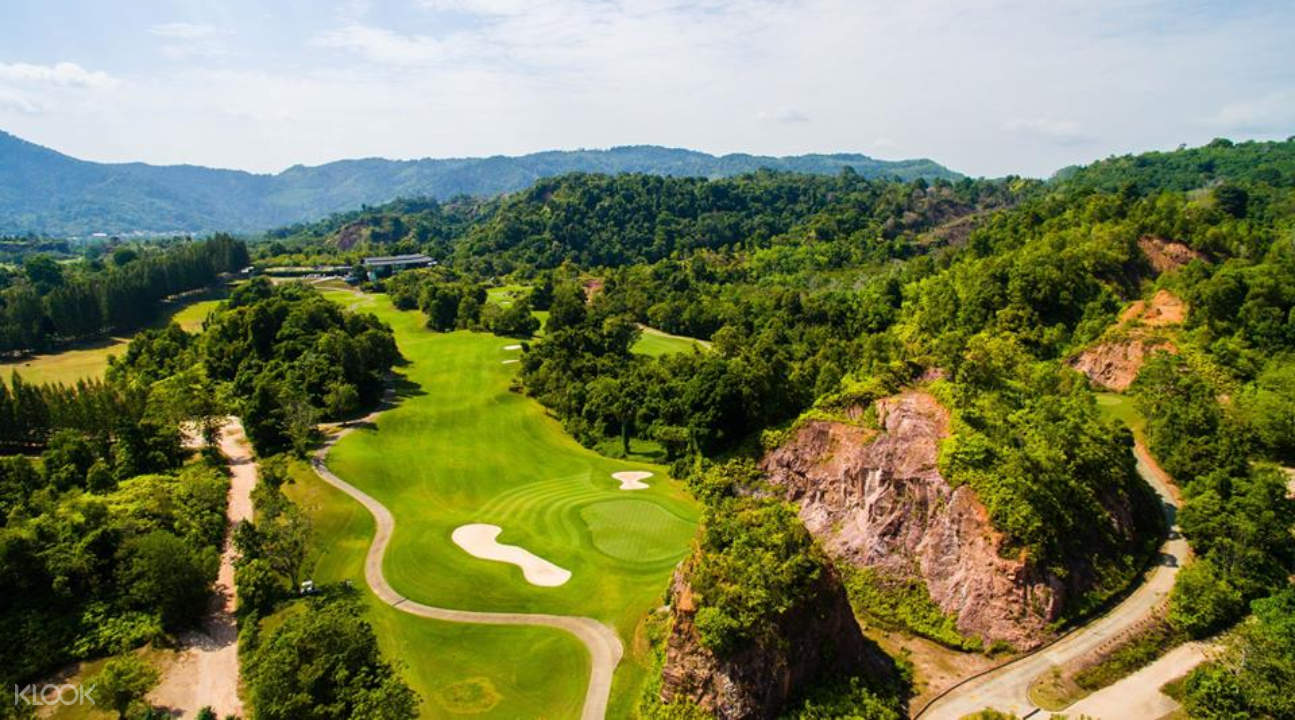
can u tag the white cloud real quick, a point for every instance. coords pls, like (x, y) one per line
(1062, 132)
(1273, 112)
(13, 100)
(384, 46)
(64, 74)
(182, 30)
(785, 116)
(186, 40)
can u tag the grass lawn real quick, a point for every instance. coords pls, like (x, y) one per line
(90, 360)
(657, 342)
(460, 448)
(1123, 408)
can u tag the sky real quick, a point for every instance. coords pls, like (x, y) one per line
(986, 87)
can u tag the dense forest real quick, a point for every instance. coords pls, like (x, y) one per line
(111, 529)
(47, 302)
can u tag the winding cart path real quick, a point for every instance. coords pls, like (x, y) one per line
(604, 645)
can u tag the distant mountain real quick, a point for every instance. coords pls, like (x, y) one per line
(47, 192)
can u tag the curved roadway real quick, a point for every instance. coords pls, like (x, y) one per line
(602, 642)
(1006, 688)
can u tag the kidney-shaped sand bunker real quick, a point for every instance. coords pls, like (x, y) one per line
(479, 540)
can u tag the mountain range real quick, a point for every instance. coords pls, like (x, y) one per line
(45, 192)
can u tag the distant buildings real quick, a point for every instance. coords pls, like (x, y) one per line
(377, 267)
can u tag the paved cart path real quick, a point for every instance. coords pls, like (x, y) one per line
(604, 645)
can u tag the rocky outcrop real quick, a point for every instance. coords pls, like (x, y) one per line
(876, 499)
(1113, 362)
(1166, 255)
(817, 638)
(1115, 365)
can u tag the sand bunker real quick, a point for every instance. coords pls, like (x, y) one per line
(632, 479)
(512, 347)
(478, 539)
(509, 362)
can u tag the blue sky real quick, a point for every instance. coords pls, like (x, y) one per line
(988, 87)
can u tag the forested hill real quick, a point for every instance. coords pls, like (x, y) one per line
(43, 191)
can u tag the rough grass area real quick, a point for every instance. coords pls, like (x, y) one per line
(83, 672)
(903, 604)
(1062, 687)
(1134, 654)
(459, 448)
(90, 360)
(1055, 690)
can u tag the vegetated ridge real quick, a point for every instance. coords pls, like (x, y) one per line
(46, 192)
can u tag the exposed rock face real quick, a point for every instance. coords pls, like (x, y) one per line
(1166, 255)
(818, 637)
(1113, 364)
(877, 500)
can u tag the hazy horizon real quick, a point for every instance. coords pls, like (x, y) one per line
(988, 89)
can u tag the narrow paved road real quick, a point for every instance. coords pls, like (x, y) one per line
(1006, 688)
(602, 642)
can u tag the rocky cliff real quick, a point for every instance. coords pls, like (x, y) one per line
(1114, 361)
(818, 638)
(875, 499)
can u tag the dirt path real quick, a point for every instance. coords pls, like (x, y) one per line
(206, 672)
(1138, 695)
(1005, 688)
(602, 642)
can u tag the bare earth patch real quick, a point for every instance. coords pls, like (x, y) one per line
(1166, 255)
(479, 540)
(1114, 363)
(632, 479)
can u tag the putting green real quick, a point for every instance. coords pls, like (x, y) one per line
(461, 448)
(631, 530)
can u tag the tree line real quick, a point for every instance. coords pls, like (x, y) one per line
(52, 302)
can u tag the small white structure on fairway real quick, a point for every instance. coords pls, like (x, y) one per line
(479, 540)
(632, 479)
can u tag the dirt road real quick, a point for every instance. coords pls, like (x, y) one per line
(604, 645)
(1005, 688)
(206, 672)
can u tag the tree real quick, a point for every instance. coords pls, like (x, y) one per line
(161, 572)
(516, 320)
(567, 309)
(1202, 601)
(189, 396)
(44, 272)
(258, 587)
(123, 683)
(325, 664)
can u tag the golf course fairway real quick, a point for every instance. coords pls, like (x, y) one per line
(460, 448)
